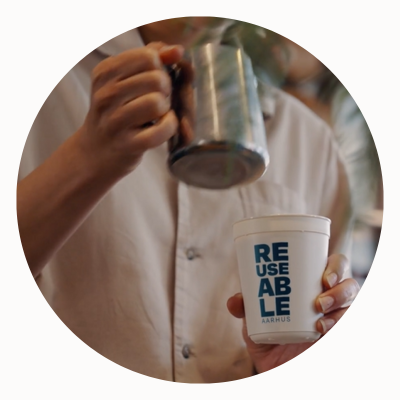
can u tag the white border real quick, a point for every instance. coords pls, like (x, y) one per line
(41, 41)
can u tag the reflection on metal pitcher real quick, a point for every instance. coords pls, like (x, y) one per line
(221, 141)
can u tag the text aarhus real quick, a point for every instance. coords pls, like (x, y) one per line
(272, 266)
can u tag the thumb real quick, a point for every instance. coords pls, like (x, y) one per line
(171, 54)
(235, 305)
(168, 54)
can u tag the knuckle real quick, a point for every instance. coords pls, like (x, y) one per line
(114, 120)
(150, 58)
(170, 124)
(160, 82)
(345, 262)
(352, 289)
(101, 71)
(162, 132)
(104, 97)
(339, 264)
(158, 104)
(97, 72)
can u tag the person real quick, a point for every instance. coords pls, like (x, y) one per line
(138, 265)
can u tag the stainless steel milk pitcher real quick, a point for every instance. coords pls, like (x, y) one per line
(221, 141)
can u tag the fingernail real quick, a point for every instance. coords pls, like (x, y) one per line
(332, 279)
(170, 47)
(326, 302)
(327, 323)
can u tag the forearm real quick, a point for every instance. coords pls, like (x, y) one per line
(55, 199)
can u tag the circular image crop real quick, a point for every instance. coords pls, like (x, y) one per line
(140, 165)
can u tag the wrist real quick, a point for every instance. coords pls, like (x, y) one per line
(98, 165)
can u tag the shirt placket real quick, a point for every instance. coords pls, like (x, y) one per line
(184, 255)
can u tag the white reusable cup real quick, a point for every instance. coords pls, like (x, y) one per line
(281, 261)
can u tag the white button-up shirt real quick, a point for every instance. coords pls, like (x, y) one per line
(145, 280)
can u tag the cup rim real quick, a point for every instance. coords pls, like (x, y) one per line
(282, 223)
(271, 216)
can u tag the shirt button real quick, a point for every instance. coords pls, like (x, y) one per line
(186, 351)
(190, 254)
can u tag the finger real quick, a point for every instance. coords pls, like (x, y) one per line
(236, 306)
(339, 296)
(139, 112)
(136, 86)
(171, 54)
(156, 134)
(146, 82)
(112, 96)
(124, 65)
(337, 268)
(327, 322)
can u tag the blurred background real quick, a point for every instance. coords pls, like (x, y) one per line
(282, 63)
(306, 78)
